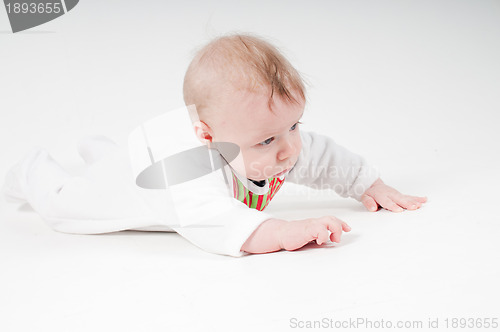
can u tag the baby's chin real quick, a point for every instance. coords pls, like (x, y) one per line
(260, 177)
(256, 177)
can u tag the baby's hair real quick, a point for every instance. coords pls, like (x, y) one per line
(240, 61)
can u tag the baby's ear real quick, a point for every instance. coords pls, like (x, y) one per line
(202, 132)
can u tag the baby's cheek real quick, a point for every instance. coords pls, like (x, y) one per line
(262, 168)
(254, 171)
(238, 164)
(298, 143)
(245, 165)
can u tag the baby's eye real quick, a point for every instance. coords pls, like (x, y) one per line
(292, 128)
(267, 141)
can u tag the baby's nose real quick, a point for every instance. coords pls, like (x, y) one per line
(288, 150)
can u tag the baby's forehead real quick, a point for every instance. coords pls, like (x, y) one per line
(251, 113)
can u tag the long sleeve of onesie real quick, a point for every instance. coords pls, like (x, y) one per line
(323, 164)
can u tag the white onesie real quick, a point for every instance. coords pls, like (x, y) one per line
(204, 210)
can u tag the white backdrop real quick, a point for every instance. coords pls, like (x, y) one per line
(411, 85)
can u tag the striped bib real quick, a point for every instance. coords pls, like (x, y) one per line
(252, 200)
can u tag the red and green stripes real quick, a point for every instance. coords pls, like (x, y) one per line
(258, 202)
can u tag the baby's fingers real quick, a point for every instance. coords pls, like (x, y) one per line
(410, 202)
(319, 233)
(335, 237)
(346, 227)
(322, 237)
(337, 234)
(389, 204)
(420, 199)
(336, 227)
(369, 203)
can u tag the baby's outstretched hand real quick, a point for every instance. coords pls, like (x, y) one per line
(380, 194)
(298, 233)
(276, 234)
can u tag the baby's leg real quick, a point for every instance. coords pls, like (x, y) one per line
(102, 200)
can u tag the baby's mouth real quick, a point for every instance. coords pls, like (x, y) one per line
(282, 173)
(286, 170)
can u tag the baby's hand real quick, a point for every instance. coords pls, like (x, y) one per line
(296, 234)
(380, 194)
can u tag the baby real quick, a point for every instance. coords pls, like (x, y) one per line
(241, 90)
(247, 93)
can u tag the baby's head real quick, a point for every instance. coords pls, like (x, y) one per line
(247, 93)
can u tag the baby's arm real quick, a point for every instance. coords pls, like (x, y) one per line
(275, 234)
(380, 194)
(324, 164)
